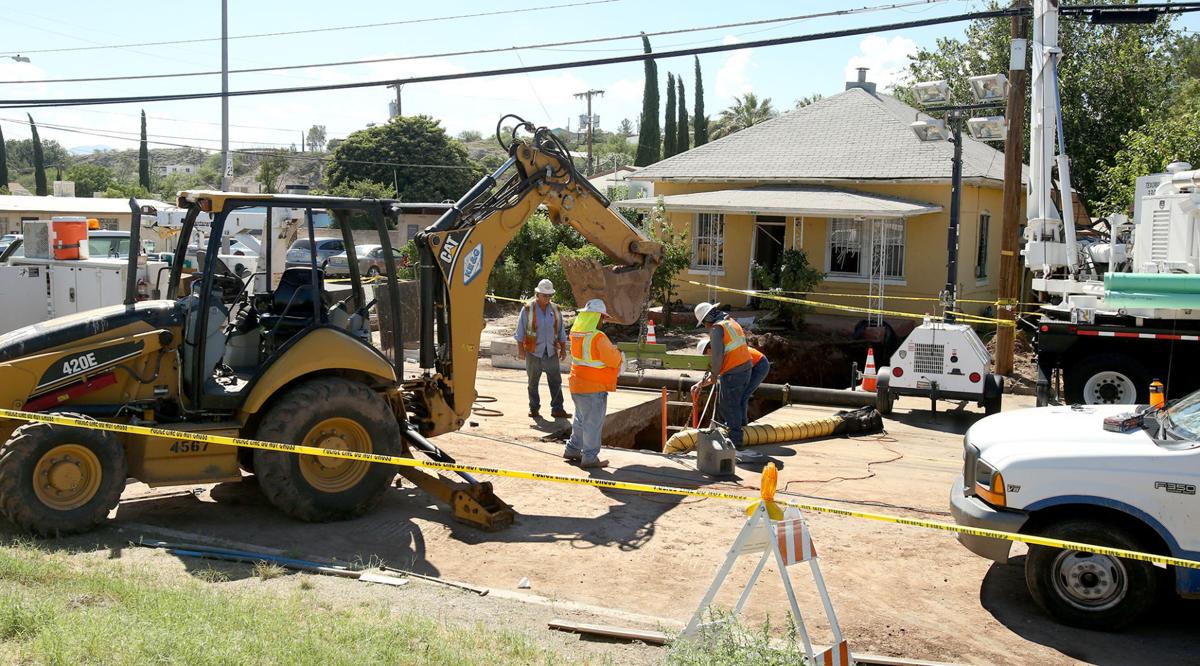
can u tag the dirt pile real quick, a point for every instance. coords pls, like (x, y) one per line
(1024, 375)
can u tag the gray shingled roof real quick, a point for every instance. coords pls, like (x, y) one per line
(853, 135)
(813, 200)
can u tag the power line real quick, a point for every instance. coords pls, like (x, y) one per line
(316, 30)
(612, 60)
(504, 49)
(285, 155)
(291, 130)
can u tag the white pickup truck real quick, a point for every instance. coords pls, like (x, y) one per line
(1057, 472)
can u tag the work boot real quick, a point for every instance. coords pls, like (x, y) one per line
(594, 463)
(560, 414)
(535, 414)
(572, 455)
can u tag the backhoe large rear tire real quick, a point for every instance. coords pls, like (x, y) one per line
(58, 480)
(329, 412)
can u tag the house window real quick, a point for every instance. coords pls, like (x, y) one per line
(981, 253)
(708, 241)
(851, 241)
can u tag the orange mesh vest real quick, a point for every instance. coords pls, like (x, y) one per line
(531, 325)
(737, 351)
(586, 367)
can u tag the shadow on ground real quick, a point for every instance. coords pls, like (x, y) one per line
(1166, 636)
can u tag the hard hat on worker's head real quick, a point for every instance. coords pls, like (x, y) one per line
(545, 287)
(702, 347)
(702, 311)
(595, 305)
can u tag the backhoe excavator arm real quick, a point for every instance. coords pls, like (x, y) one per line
(458, 252)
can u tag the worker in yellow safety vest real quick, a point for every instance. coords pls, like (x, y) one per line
(595, 364)
(731, 363)
(542, 343)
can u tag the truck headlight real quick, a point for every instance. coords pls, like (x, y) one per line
(989, 483)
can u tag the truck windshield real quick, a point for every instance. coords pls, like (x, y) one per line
(1185, 416)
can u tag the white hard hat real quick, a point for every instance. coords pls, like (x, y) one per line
(701, 311)
(595, 305)
(702, 346)
(545, 287)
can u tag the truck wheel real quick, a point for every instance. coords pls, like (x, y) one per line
(1107, 379)
(1091, 591)
(57, 479)
(883, 395)
(993, 394)
(330, 413)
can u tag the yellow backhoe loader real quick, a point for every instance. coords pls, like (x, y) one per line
(275, 356)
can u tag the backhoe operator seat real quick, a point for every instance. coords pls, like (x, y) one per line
(292, 304)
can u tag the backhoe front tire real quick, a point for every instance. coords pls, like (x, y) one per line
(58, 480)
(330, 412)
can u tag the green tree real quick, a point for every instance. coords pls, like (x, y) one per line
(39, 164)
(524, 260)
(271, 169)
(20, 154)
(805, 101)
(649, 134)
(746, 111)
(3, 162)
(677, 256)
(143, 158)
(681, 125)
(793, 275)
(413, 152)
(89, 178)
(1114, 78)
(625, 129)
(470, 136)
(1147, 149)
(315, 140)
(699, 119)
(126, 190)
(670, 134)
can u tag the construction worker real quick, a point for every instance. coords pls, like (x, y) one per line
(758, 372)
(595, 364)
(542, 343)
(731, 363)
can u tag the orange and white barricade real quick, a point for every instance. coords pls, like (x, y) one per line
(789, 541)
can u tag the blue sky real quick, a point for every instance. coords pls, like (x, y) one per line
(781, 73)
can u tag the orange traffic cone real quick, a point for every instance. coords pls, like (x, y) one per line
(868, 382)
(650, 337)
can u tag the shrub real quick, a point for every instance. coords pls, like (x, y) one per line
(795, 275)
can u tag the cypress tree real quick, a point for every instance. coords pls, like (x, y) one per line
(143, 157)
(39, 166)
(649, 134)
(3, 161)
(669, 131)
(699, 119)
(681, 141)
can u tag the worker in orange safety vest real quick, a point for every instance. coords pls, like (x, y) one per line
(595, 364)
(731, 363)
(760, 368)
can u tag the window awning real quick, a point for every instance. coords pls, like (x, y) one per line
(816, 201)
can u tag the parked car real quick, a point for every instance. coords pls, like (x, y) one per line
(370, 261)
(300, 253)
(13, 247)
(1060, 472)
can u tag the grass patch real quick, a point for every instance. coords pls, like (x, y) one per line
(211, 575)
(731, 643)
(54, 610)
(268, 570)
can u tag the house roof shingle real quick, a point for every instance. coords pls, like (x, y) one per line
(854, 135)
(804, 200)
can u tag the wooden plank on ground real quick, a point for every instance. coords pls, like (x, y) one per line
(647, 637)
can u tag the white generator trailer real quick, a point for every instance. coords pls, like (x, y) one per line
(940, 361)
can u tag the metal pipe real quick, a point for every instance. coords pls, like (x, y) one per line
(449, 218)
(225, 165)
(135, 251)
(430, 449)
(426, 276)
(784, 392)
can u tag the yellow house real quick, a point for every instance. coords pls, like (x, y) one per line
(848, 182)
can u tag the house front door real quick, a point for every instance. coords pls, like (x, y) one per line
(767, 250)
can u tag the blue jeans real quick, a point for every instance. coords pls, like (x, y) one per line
(534, 367)
(734, 385)
(757, 374)
(587, 424)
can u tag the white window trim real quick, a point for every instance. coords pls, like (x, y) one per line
(694, 269)
(863, 278)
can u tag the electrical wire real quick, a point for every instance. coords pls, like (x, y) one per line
(552, 46)
(661, 55)
(309, 31)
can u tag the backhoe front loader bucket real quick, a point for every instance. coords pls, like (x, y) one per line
(625, 290)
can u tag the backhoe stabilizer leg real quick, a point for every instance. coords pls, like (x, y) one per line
(472, 503)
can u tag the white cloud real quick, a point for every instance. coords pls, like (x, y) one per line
(732, 78)
(887, 59)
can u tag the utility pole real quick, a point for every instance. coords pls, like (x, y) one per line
(950, 294)
(397, 85)
(1010, 278)
(589, 94)
(227, 169)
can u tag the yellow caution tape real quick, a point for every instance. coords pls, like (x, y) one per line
(975, 319)
(927, 299)
(582, 481)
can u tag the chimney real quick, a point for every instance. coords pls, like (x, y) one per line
(862, 81)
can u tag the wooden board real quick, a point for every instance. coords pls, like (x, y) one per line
(647, 637)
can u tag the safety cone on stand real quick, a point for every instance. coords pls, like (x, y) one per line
(650, 337)
(868, 382)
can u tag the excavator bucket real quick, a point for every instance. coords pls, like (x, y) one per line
(625, 290)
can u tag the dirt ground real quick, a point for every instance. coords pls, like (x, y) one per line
(898, 590)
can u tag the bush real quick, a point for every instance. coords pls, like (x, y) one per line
(794, 275)
(519, 266)
(731, 643)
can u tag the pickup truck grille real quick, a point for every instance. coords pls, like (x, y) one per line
(928, 358)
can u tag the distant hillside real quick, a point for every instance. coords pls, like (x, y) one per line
(87, 150)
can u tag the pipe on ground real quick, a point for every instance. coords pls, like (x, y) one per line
(762, 433)
(783, 392)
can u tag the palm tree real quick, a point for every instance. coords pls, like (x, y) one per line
(746, 111)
